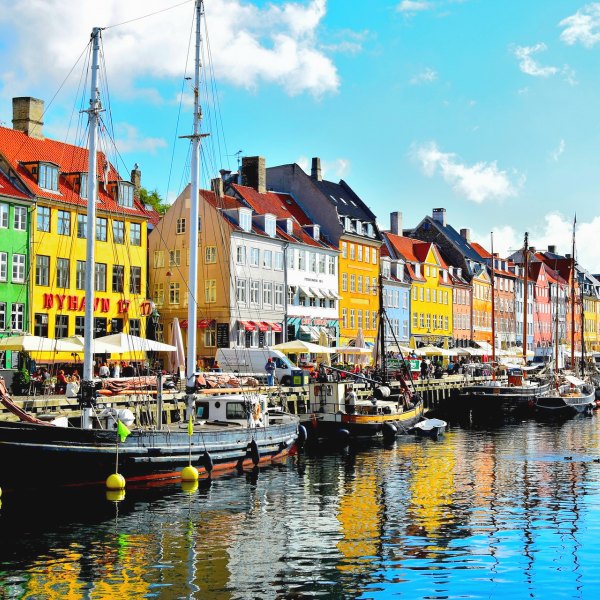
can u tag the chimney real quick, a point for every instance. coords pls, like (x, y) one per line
(552, 248)
(439, 215)
(568, 255)
(532, 249)
(27, 116)
(315, 171)
(254, 173)
(466, 234)
(216, 185)
(396, 223)
(136, 177)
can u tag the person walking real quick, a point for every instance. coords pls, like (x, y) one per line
(270, 369)
(103, 371)
(117, 370)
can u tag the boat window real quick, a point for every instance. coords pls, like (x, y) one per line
(235, 410)
(202, 410)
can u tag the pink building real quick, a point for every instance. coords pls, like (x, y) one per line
(542, 307)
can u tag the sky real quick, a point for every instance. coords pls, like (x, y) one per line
(485, 108)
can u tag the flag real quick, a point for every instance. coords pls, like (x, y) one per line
(190, 426)
(122, 431)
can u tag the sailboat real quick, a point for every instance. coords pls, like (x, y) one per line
(222, 431)
(571, 395)
(519, 392)
(390, 408)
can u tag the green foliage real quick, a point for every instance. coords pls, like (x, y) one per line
(21, 381)
(153, 199)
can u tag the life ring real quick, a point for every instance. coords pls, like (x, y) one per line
(256, 412)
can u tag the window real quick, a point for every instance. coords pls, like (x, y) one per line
(101, 229)
(48, 177)
(279, 261)
(135, 280)
(245, 220)
(267, 293)
(4, 216)
(254, 292)
(421, 294)
(278, 292)
(359, 287)
(415, 319)
(267, 259)
(374, 320)
(82, 226)
(360, 318)
(367, 254)
(210, 336)
(421, 320)
(352, 252)
(43, 218)
(291, 255)
(210, 255)
(83, 185)
(125, 195)
(352, 312)
(241, 291)
(17, 316)
(174, 292)
(135, 234)
(270, 225)
(119, 232)
(359, 254)
(100, 277)
(427, 295)
(344, 250)
(352, 283)
(159, 259)
(301, 260)
(322, 259)
(118, 278)
(18, 268)
(210, 291)
(180, 228)
(3, 266)
(64, 222)
(374, 286)
(367, 285)
(135, 327)
(42, 270)
(63, 272)
(312, 261)
(240, 255)
(344, 282)
(332, 265)
(374, 257)
(80, 269)
(61, 326)
(174, 258)
(344, 317)
(20, 218)
(40, 324)
(158, 296)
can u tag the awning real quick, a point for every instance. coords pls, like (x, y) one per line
(317, 292)
(276, 327)
(306, 292)
(334, 295)
(204, 323)
(247, 325)
(262, 326)
(310, 331)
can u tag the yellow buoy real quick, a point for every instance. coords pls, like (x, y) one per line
(189, 473)
(189, 487)
(0, 492)
(116, 481)
(115, 495)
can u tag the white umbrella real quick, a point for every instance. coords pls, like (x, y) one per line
(35, 343)
(98, 347)
(121, 343)
(300, 347)
(323, 341)
(177, 359)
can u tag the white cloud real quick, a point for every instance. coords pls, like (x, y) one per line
(333, 170)
(128, 139)
(428, 75)
(410, 6)
(530, 66)
(557, 153)
(478, 182)
(582, 27)
(276, 44)
(555, 229)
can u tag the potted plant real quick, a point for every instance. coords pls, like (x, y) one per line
(21, 381)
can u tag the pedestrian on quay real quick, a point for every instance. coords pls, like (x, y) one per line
(103, 371)
(117, 370)
(270, 370)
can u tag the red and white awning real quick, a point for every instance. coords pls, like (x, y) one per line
(247, 325)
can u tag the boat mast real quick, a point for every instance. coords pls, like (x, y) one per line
(194, 198)
(573, 303)
(493, 310)
(87, 383)
(384, 374)
(556, 332)
(526, 284)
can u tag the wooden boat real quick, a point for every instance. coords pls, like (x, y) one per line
(575, 396)
(225, 432)
(433, 428)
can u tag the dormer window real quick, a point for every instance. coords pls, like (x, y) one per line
(83, 185)
(347, 224)
(48, 177)
(418, 269)
(245, 219)
(270, 223)
(316, 232)
(125, 196)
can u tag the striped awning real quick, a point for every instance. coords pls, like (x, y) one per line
(247, 325)
(262, 325)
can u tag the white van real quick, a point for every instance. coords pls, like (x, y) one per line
(253, 360)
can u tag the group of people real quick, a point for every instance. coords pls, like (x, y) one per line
(43, 381)
(117, 369)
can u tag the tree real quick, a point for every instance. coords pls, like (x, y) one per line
(154, 200)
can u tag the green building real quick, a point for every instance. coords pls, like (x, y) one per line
(15, 216)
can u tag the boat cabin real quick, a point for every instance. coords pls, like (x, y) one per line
(233, 408)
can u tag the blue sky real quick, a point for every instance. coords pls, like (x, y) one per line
(485, 108)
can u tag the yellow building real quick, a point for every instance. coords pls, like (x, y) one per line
(359, 287)
(55, 173)
(431, 290)
(482, 306)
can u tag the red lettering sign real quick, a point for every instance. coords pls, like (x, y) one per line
(73, 302)
(123, 306)
(48, 300)
(105, 305)
(145, 308)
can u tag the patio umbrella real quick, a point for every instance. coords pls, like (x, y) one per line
(299, 347)
(98, 347)
(121, 342)
(35, 343)
(323, 341)
(177, 358)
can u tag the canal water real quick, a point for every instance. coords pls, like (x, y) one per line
(509, 511)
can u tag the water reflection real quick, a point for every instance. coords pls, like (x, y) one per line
(508, 510)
